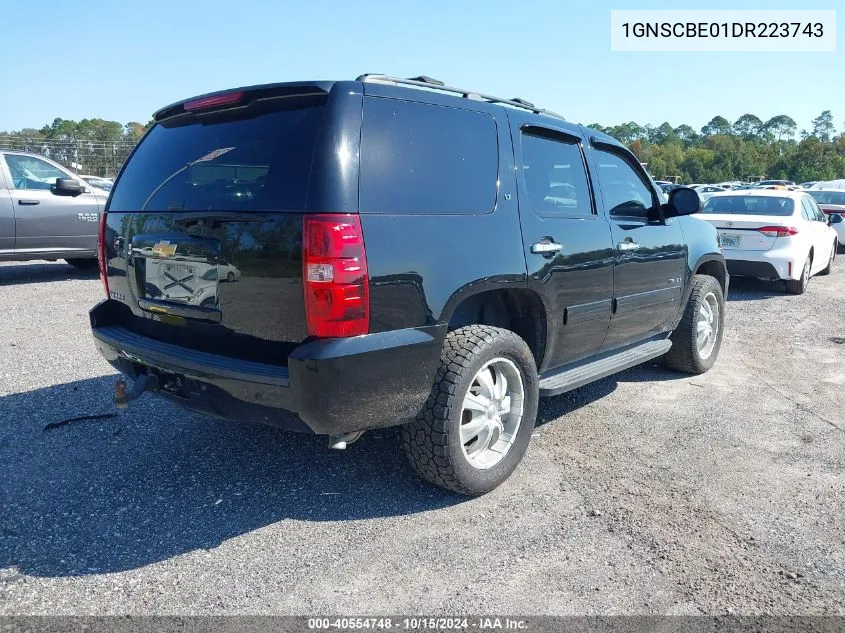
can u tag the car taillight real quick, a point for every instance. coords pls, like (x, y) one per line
(101, 255)
(778, 231)
(227, 98)
(334, 276)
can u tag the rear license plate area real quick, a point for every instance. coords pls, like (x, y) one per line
(729, 241)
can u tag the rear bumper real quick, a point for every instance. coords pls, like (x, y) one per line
(760, 270)
(329, 386)
(772, 264)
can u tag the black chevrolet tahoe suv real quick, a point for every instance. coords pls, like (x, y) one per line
(333, 257)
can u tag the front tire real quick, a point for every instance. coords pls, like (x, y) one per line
(697, 339)
(799, 286)
(479, 418)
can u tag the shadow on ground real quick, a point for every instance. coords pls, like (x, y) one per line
(133, 488)
(747, 289)
(43, 272)
(154, 482)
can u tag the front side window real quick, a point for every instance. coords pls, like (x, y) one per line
(554, 177)
(30, 173)
(624, 191)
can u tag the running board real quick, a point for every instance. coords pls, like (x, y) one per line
(570, 379)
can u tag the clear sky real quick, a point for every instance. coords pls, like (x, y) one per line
(121, 60)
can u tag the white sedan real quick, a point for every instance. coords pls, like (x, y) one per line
(772, 234)
(832, 203)
(705, 191)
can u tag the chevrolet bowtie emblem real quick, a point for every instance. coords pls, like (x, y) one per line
(164, 249)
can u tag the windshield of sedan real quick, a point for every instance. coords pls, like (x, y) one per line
(829, 197)
(749, 205)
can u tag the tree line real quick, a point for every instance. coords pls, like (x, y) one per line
(92, 146)
(747, 149)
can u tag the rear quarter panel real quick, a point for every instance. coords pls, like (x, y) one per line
(422, 266)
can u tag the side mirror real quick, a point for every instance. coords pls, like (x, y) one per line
(68, 187)
(834, 218)
(682, 201)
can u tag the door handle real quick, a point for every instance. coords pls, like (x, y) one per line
(546, 246)
(627, 246)
(28, 201)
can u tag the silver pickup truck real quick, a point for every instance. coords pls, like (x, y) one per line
(47, 212)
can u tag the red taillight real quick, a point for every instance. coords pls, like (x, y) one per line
(101, 255)
(778, 231)
(334, 276)
(211, 102)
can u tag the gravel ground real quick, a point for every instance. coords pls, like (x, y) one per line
(648, 492)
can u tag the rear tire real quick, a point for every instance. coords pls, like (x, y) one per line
(697, 339)
(799, 286)
(83, 264)
(457, 441)
(829, 267)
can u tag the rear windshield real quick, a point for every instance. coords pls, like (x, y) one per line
(829, 197)
(749, 205)
(255, 159)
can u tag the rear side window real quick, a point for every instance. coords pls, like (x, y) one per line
(421, 158)
(554, 176)
(253, 159)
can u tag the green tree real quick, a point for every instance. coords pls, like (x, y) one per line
(781, 126)
(823, 128)
(748, 126)
(717, 125)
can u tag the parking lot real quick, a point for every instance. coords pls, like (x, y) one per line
(647, 492)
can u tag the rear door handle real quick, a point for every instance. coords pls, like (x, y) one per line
(28, 201)
(627, 246)
(546, 246)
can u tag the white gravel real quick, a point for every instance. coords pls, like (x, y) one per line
(649, 492)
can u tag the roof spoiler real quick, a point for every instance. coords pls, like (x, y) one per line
(238, 97)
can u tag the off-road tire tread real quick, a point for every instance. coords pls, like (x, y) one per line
(680, 355)
(425, 440)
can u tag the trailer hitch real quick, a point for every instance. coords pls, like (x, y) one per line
(123, 395)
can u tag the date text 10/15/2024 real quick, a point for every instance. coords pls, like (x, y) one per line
(418, 623)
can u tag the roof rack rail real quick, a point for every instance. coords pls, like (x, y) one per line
(423, 81)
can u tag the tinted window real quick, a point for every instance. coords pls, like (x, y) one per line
(624, 191)
(816, 210)
(29, 172)
(807, 211)
(236, 160)
(554, 177)
(829, 197)
(420, 158)
(749, 205)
